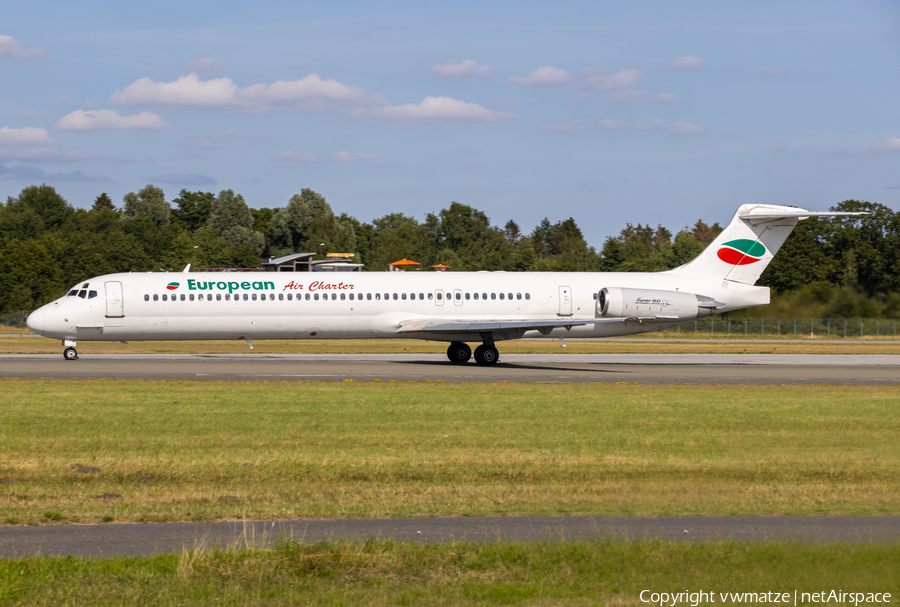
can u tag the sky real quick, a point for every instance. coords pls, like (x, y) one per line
(609, 112)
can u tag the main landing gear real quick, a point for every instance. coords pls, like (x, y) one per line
(485, 355)
(70, 353)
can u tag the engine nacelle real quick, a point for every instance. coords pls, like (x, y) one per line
(649, 304)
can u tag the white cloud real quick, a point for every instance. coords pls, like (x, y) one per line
(675, 128)
(543, 76)
(891, 145)
(634, 96)
(204, 64)
(10, 48)
(604, 81)
(336, 157)
(688, 62)
(28, 135)
(312, 93)
(110, 120)
(451, 68)
(437, 109)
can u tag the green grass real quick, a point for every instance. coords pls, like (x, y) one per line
(638, 345)
(209, 450)
(388, 573)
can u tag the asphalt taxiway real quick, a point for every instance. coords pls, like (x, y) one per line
(650, 368)
(144, 539)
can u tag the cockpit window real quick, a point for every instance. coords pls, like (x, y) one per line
(72, 293)
(84, 286)
(92, 294)
(82, 294)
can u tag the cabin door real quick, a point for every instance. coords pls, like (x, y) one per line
(115, 306)
(565, 301)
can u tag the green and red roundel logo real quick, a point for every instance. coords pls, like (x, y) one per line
(172, 286)
(741, 252)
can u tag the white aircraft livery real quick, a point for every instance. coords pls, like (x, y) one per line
(455, 307)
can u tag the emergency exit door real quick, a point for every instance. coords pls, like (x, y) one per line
(565, 301)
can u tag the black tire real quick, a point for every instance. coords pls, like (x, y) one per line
(459, 352)
(486, 356)
(70, 354)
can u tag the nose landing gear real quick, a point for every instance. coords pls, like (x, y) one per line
(70, 353)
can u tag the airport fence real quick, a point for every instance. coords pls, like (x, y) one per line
(801, 328)
(14, 319)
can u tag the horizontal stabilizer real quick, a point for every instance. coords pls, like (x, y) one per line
(760, 217)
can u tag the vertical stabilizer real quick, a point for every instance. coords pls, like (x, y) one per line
(747, 245)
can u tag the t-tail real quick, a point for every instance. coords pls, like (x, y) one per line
(746, 246)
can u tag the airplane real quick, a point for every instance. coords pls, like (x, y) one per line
(454, 307)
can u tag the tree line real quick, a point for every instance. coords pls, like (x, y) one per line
(46, 245)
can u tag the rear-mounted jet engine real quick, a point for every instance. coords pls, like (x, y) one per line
(647, 304)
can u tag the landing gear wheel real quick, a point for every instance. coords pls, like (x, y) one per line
(459, 352)
(486, 355)
(70, 354)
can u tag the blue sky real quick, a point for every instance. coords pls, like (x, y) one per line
(610, 113)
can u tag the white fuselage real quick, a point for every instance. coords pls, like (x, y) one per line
(300, 305)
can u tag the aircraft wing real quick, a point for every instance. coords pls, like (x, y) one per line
(440, 325)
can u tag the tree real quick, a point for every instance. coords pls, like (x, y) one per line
(193, 208)
(103, 203)
(231, 219)
(148, 203)
(291, 226)
(35, 210)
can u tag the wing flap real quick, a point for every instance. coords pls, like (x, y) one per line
(483, 326)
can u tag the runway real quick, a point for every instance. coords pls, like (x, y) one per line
(649, 368)
(144, 539)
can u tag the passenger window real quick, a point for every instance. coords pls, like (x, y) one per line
(412, 296)
(430, 296)
(351, 297)
(253, 297)
(493, 296)
(343, 296)
(146, 297)
(403, 296)
(227, 297)
(528, 296)
(475, 295)
(182, 297)
(421, 297)
(459, 296)
(440, 297)
(271, 297)
(209, 297)
(510, 296)
(281, 297)
(387, 296)
(501, 296)
(316, 297)
(484, 296)
(92, 294)
(378, 297)
(518, 296)
(155, 297)
(467, 296)
(368, 296)
(245, 297)
(290, 297)
(333, 296)
(307, 297)
(191, 297)
(395, 297)
(82, 294)
(218, 297)
(165, 297)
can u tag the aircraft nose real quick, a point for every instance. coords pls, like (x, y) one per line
(35, 321)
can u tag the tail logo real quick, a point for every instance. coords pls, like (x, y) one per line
(741, 252)
(172, 286)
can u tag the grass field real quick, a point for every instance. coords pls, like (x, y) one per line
(33, 345)
(386, 573)
(207, 450)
